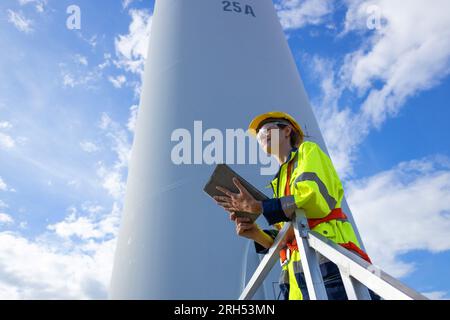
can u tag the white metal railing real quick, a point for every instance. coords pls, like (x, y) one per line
(357, 274)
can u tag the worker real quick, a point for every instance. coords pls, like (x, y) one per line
(306, 179)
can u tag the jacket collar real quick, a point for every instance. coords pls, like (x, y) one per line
(290, 157)
(291, 154)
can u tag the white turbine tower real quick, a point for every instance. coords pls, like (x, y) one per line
(222, 63)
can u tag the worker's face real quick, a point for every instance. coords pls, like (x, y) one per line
(270, 137)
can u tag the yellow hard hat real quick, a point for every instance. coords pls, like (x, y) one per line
(258, 120)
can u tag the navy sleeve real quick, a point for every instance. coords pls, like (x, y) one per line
(273, 211)
(259, 248)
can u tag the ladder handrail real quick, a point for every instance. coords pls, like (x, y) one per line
(266, 264)
(309, 261)
(357, 274)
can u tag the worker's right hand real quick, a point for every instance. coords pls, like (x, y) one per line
(245, 228)
(232, 215)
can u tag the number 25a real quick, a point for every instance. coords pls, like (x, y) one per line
(235, 6)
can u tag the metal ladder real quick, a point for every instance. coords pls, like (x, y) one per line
(357, 274)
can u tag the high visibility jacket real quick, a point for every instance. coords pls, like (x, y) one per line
(316, 188)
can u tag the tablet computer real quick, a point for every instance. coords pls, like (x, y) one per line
(223, 176)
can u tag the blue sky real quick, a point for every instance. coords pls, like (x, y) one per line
(68, 102)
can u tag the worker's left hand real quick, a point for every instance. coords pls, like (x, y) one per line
(242, 201)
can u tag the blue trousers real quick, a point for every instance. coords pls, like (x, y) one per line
(332, 281)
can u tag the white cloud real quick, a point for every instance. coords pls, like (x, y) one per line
(91, 41)
(126, 3)
(5, 219)
(6, 141)
(343, 129)
(402, 210)
(3, 185)
(131, 49)
(113, 177)
(436, 295)
(68, 80)
(118, 81)
(38, 4)
(71, 273)
(131, 125)
(73, 183)
(76, 72)
(92, 208)
(119, 137)
(3, 204)
(105, 121)
(295, 14)
(106, 62)
(88, 146)
(5, 125)
(112, 181)
(87, 227)
(72, 260)
(80, 78)
(19, 21)
(409, 54)
(81, 59)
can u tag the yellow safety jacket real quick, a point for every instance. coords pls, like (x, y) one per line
(316, 188)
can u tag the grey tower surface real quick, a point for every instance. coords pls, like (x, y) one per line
(220, 64)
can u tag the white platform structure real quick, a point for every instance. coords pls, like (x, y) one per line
(357, 274)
